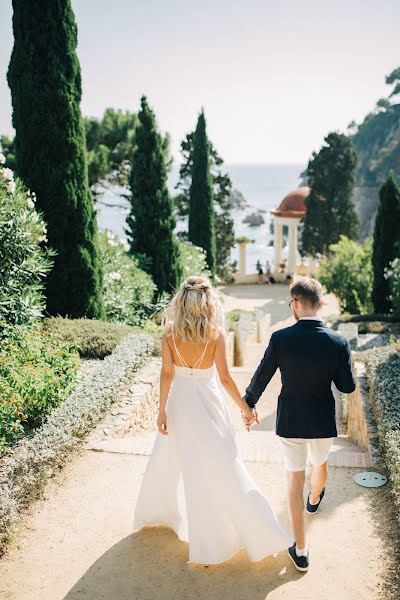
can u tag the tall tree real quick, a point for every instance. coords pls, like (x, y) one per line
(222, 190)
(330, 211)
(386, 242)
(201, 205)
(45, 81)
(111, 141)
(151, 221)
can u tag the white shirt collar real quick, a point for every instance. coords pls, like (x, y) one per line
(311, 318)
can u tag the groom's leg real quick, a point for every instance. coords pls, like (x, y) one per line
(319, 450)
(295, 456)
(295, 481)
(319, 476)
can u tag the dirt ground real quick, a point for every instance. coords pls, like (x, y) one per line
(78, 543)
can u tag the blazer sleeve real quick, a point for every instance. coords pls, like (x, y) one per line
(263, 374)
(344, 377)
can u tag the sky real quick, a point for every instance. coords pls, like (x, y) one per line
(273, 77)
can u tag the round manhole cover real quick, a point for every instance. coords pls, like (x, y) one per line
(370, 479)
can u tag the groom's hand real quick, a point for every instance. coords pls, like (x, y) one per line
(250, 418)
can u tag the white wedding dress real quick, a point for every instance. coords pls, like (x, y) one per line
(196, 482)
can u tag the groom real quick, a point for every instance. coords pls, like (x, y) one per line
(309, 356)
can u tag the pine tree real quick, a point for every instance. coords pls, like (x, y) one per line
(151, 221)
(201, 206)
(386, 242)
(45, 81)
(330, 211)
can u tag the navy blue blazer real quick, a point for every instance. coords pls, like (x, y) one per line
(309, 356)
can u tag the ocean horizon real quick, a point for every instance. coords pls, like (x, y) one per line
(263, 185)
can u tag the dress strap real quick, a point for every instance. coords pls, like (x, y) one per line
(199, 361)
(183, 361)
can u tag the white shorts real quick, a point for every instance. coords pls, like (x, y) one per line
(295, 451)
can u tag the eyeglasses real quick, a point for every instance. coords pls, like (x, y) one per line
(290, 303)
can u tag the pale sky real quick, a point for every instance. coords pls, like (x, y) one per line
(274, 77)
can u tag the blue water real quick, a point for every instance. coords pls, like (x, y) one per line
(263, 186)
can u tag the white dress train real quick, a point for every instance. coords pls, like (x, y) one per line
(196, 482)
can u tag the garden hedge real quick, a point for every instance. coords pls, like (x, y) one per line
(26, 467)
(383, 374)
(91, 338)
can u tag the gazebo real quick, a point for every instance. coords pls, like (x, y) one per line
(289, 212)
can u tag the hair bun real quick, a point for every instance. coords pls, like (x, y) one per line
(196, 285)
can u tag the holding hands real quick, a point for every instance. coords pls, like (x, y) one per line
(249, 416)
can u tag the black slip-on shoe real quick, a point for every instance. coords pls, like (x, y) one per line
(312, 508)
(300, 562)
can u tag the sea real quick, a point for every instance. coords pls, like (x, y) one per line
(263, 186)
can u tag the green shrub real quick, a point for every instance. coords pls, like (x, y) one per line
(24, 262)
(194, 259)
(128, 290)
(383, 374)
(37, 372)
(92, 339)
(348, 274)
(26, 468)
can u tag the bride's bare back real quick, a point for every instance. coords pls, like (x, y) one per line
(192, 352)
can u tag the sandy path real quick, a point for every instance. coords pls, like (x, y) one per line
(77, 543)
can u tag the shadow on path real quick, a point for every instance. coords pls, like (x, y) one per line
(152, 563)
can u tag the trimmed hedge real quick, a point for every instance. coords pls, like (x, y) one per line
(383, 374)
(25, 469)
(91, 338)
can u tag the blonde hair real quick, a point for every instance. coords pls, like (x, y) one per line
(195, 312)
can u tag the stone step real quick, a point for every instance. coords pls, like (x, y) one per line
(262, 446)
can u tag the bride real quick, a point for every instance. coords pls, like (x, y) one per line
(195, 481)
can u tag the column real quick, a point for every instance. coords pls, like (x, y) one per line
(278, 237)
(312, 266)
(292, 248)
(242, 259)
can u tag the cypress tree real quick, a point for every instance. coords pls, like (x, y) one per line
(222, 190)
(330, 210)
(386, 242)
(151, 220)
(45, 81)
(201, 205)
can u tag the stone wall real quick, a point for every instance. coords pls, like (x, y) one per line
(263, 321)
(243, 330)
(361, 425)
(134, 410)
(230, 348)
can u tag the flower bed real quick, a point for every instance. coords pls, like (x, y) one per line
(383, 374)
(37, 373)
(25, 469)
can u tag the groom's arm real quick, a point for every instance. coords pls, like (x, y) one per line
(343, 377)
(263, 374)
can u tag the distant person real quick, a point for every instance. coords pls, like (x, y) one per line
(268, 273)
(260, 272)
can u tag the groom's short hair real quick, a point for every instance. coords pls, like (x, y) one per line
(308, 290)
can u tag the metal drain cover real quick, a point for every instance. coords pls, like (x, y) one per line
(370, 479)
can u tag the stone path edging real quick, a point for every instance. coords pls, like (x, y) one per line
(133, 411)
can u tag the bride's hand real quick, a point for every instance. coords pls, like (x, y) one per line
(162, 423)
(249, 416)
